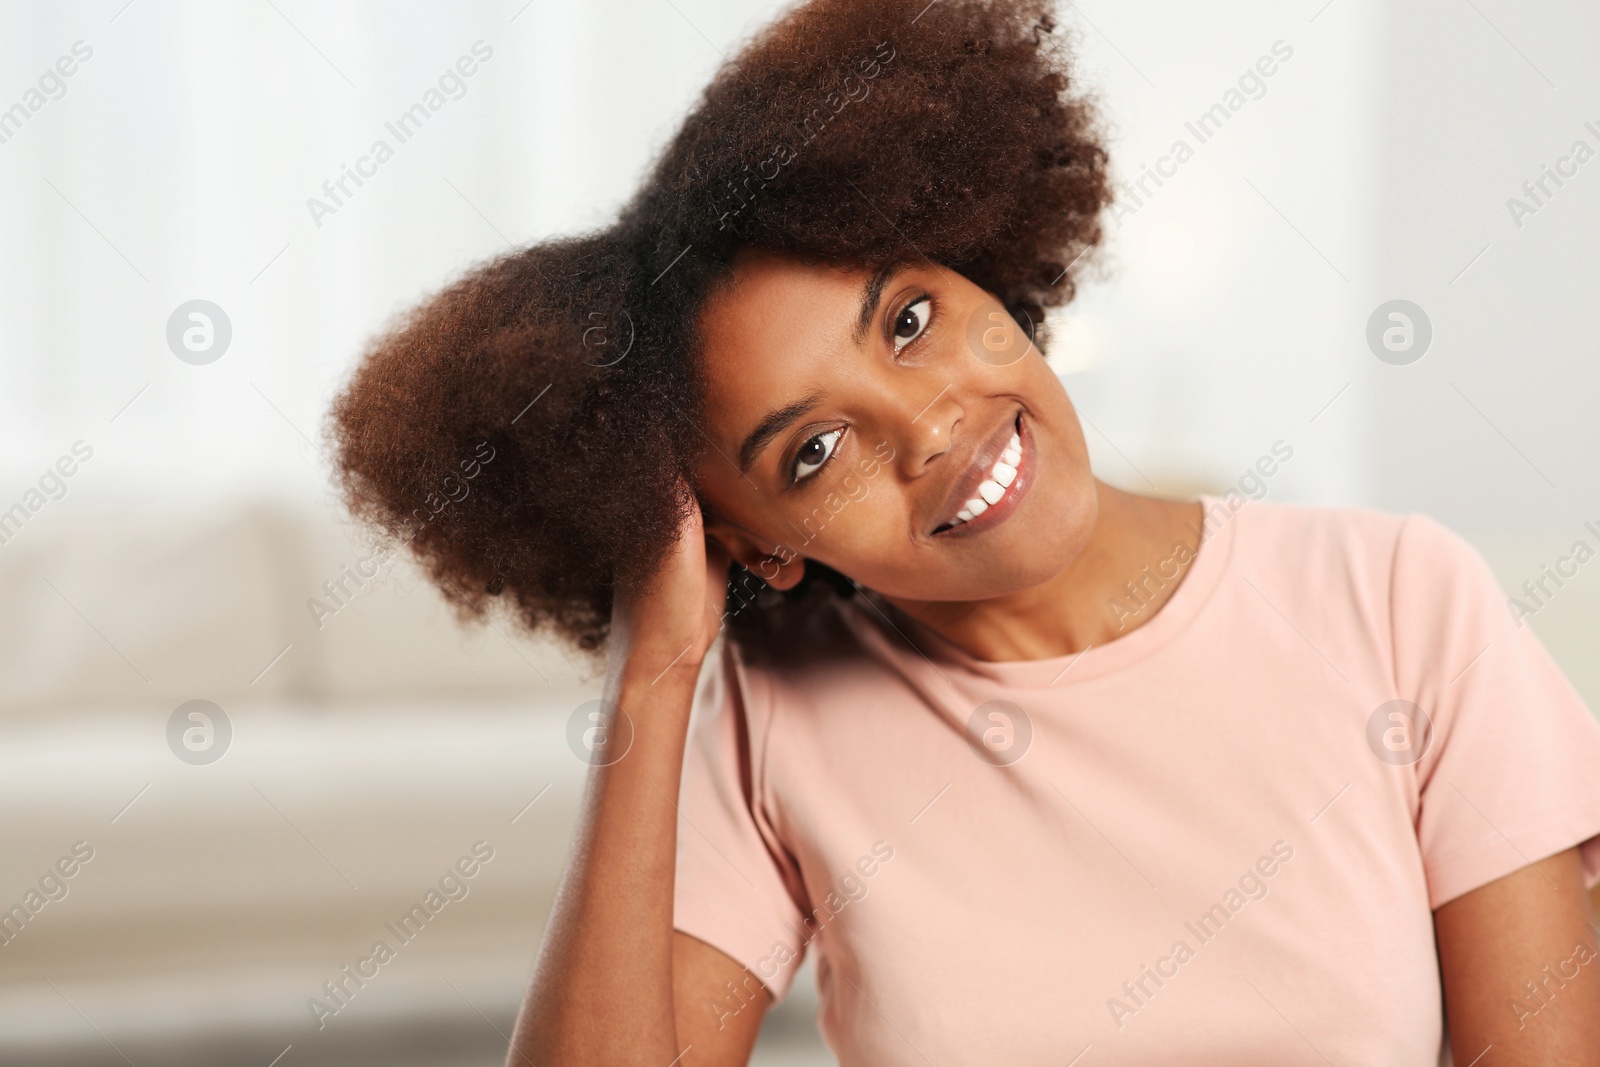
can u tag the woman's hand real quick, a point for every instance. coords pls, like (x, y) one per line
(670, 618)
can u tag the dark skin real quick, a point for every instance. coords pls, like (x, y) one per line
(1496, 937)
(912, 389)
(898, 421)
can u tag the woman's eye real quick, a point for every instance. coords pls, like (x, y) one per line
(911, 321)
(814, 453)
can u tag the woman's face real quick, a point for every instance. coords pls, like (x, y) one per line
(899, 427)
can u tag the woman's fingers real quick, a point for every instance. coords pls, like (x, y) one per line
(677, 609)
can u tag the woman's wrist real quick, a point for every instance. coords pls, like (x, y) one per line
(642, 645)
(654, 671)
(643, 674)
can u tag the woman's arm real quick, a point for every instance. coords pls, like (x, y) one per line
(613, 980)
(1521, 969)
(711, 1023)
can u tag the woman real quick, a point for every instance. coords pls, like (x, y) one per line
(1041, 770)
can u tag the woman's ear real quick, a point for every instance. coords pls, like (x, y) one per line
(776, 564)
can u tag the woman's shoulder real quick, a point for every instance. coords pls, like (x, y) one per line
(1323, 523)
(1384, 566)
(1335, 543)
(1301, 532)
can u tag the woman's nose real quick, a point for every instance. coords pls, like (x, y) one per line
(926, 431)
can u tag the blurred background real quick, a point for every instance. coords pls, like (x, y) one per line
(168, 530)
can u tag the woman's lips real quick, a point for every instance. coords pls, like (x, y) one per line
(1001, 487)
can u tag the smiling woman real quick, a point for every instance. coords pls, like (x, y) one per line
(991, 192)
(834, 430)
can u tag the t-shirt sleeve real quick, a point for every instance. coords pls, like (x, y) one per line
(737, 885)
(1509, 773)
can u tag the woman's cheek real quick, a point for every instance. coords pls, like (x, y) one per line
(869, 536)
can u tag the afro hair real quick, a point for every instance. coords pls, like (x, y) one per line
(527, 431)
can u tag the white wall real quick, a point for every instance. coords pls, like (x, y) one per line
(1480, 103)
(1222, 329)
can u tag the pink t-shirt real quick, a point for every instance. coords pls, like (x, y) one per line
(1218, 838)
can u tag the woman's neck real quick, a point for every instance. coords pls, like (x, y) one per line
(1087, 602)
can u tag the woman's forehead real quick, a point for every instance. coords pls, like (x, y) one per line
(778, 321)
(762, 284)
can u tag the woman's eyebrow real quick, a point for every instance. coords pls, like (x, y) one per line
(871, 293)
(771, 426)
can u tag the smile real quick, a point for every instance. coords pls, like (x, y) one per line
(992, 489)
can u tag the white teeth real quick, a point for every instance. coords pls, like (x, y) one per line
(992, 488)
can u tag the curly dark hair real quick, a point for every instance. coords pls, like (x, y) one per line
(524, 430)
